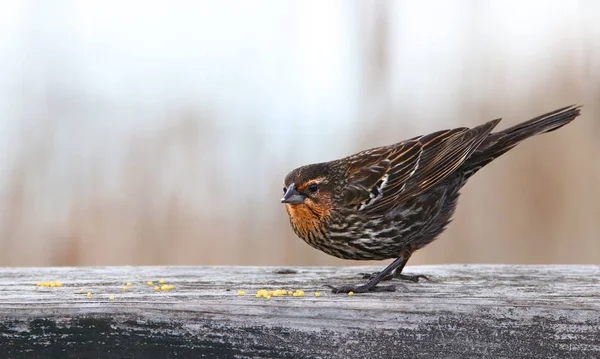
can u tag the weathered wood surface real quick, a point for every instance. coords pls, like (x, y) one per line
(466, 311)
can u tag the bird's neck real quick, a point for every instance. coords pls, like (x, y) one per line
(306, 220)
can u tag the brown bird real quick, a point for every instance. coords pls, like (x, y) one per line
(388, 202)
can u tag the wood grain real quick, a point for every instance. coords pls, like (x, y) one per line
(465, 311)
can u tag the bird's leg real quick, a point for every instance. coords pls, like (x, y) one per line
(413, 278)
(398, 272)
(371, 285)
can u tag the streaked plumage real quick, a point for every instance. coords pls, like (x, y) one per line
(389, 201)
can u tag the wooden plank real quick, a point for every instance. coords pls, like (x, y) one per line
(466, 311)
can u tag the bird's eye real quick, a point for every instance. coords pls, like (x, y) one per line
(313, 187)
(284, 190)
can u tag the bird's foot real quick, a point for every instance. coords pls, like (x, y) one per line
(361, 288)
(411, 278)
(370, 276)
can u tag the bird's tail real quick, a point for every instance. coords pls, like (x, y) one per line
(498, 143)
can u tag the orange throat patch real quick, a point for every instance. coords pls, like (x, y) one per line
(306, 219)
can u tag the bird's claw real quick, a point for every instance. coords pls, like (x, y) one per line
(370, 276)
(413, 278)
(361, 289)
(410, 278)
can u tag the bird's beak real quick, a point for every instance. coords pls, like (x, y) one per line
(292, 196)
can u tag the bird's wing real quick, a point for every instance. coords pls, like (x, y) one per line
(381, 178)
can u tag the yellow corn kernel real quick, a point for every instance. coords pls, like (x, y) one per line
(129, 284)
(350, 293)
(262, 293)
(111, 297)
(89, 294)
(125, 288)
(150, 284)
(241, 292)
(157, 288)
(52, 284)
(317, 294)
(162, 281)
(290, 292)
(81, 290)
(39, 284)
(58, 284)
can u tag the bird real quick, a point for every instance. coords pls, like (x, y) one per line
(388, 202)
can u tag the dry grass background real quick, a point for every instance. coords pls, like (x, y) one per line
(175, 185)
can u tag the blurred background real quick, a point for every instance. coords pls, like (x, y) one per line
(142, 132)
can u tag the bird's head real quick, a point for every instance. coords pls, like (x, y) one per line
(308, 194)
